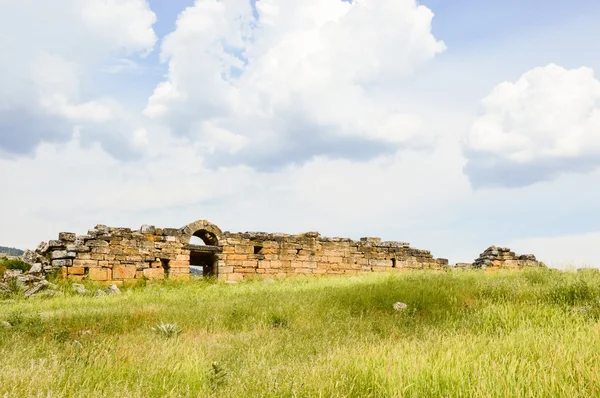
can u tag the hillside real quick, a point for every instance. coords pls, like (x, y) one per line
(11, 251)
(462, 333)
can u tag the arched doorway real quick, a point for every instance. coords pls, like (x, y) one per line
(202, 239)
(203, 253)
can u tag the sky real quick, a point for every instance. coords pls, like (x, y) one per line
(450, 125)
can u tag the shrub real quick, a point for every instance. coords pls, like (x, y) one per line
(167, 329)
(278, 321)
(15, 264)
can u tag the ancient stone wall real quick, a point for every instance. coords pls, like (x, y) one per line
(117, 254)
(246, 255)
(503, 257)
(122, 255)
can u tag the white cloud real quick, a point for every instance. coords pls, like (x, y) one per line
(49, 52)
(297, 78)
(570, 251)
(545, 123)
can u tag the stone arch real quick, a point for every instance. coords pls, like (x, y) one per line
(208, 232)
(203, 259)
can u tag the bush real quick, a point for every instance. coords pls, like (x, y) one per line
(15, 264)
(167, 329)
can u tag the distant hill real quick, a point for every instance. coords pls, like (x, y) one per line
(11, 251)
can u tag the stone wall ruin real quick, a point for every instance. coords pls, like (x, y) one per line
(122, 255)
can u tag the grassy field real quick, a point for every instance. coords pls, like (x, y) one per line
(464, 334)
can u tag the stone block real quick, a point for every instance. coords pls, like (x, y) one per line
(182, 257)
(235, 277)
(67, 236)
(97, 243)
(250, 264)
(179, 264)
(99, 274)
(55, 244)
(85, 263)
(154, 273)
(59, 254)
(123, 272)
(179, 271)
(244, 249)
(148, 229)
(225, 270)
(76, 271)
(62, 263)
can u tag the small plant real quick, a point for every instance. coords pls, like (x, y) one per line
(16, 318)
(16, 288)
(167, 330)
(278, 321)
(61, 335)
(217, 376)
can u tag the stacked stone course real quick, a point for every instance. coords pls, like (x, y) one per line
(121, 255)
(503, 257)
(248, 254)
(116, 254)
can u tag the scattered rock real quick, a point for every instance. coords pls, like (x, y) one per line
(6, 324)
(269, 281)
(36, 268)
(400, 306)
(79, 289)
(113, 289)
(35, 288)
(100, 292)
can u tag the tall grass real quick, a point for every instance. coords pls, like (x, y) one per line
(464, 334)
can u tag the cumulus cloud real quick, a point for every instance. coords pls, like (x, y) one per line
(544, 124)
(284, 81)
(49, 52)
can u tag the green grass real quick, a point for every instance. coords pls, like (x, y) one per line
(464, 334)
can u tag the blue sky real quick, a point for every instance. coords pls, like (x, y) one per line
(480, 130)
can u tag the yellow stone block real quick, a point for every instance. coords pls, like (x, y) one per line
(99, 274)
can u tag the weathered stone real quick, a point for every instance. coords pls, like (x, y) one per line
(55, 244)
(154, 273)
(36, 268)
(35, 288)
(59, 254)
(123, 272)
(62, 263)
(148, 229)
(112, 289)
(67, 236)
(76, 271)
(99, 274)
(96, 243)
(79, 289)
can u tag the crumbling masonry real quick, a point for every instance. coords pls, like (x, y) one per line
(121, 255)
